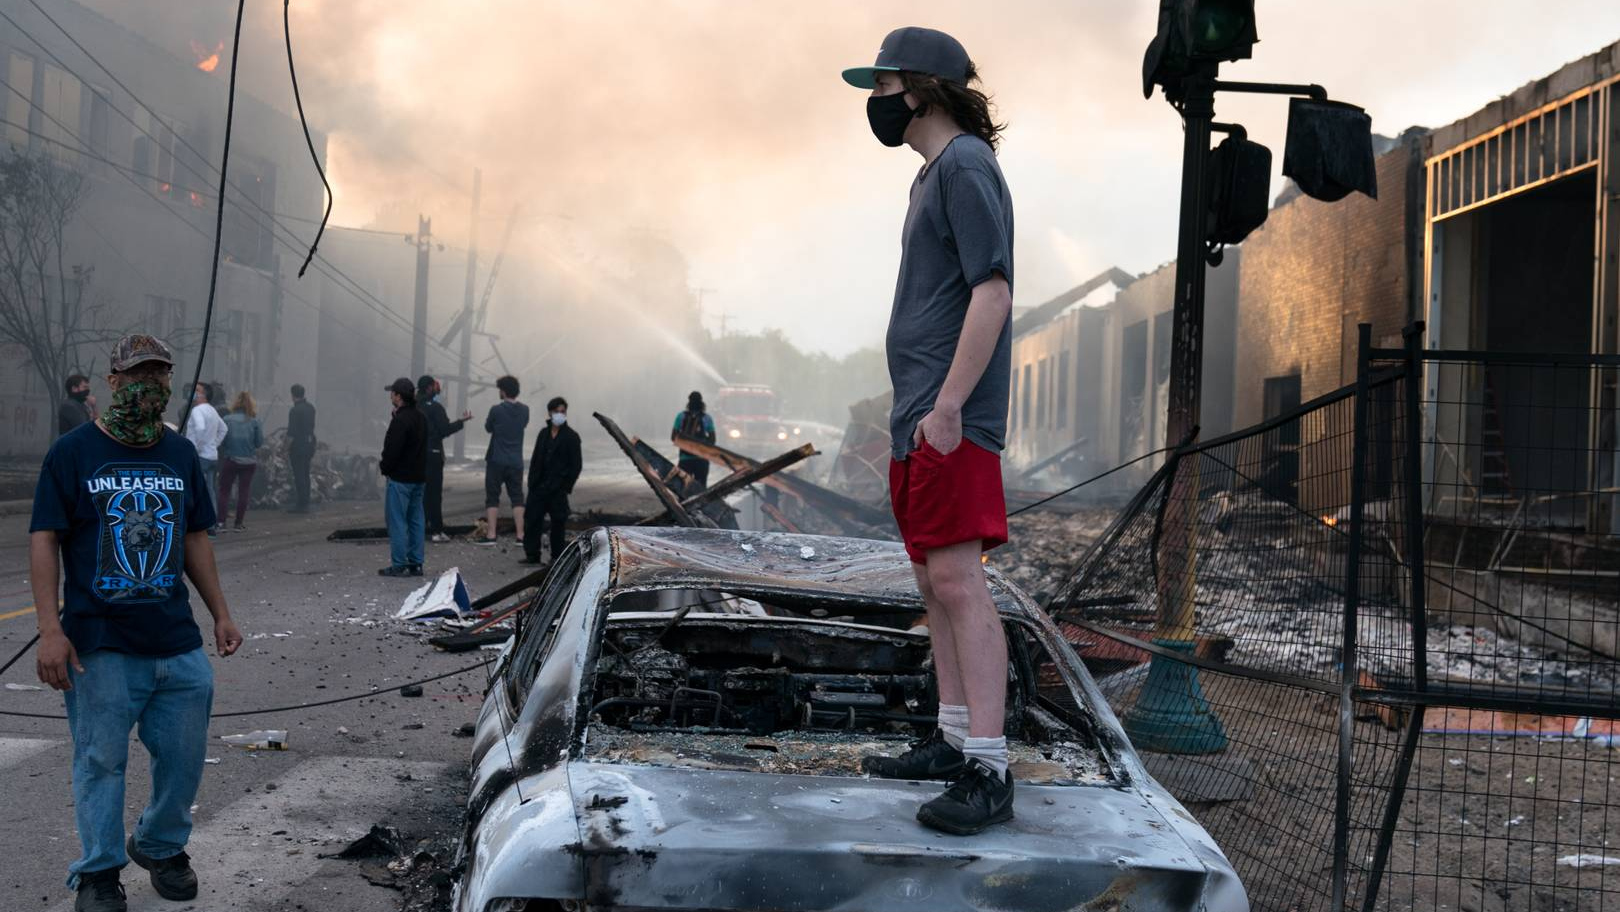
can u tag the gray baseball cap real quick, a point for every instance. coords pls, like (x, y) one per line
(919, 50)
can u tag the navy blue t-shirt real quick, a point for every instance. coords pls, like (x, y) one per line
(123, 513)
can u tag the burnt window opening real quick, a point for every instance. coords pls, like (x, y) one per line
(1280, 449)
(1063, 390)
(774, 688)
(539, 622)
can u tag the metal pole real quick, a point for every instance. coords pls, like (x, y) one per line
(1171, 714)
(1347, 650)
(466, 311)
(424, 244)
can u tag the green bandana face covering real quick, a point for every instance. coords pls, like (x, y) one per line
(135, 417)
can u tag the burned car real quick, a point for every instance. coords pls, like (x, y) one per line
(679, 720)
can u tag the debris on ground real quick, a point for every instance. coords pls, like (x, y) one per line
(411, 690)
(379, 842)
(264, 739)
(332, 475)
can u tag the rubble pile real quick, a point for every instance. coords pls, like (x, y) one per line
(1045, 546)
(818, 753)
(332, 475)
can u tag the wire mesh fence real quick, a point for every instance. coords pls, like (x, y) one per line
(1381, 629)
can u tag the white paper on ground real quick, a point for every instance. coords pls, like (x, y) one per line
(444, 597)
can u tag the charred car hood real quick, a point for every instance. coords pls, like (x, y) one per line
(704, 839)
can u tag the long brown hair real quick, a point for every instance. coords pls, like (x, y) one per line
(967, 104)
(244, 403)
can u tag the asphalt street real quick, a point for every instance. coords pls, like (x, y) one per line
(316, 618)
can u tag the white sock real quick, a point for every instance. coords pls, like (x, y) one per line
(992, 752)
(953, 724)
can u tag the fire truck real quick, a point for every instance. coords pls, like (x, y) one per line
(747, 420)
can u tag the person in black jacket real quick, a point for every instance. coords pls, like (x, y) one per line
(404, 462)
(300, 447)
(439, 427)
(553, 470)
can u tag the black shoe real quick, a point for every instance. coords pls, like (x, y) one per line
(172, 877)
(976, 799)
(415, 569)
(100, 891)
(400, 570)
(931, 758)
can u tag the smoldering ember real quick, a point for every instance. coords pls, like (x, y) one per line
(493, 457)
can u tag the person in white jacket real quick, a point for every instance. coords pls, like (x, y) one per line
(206, 430)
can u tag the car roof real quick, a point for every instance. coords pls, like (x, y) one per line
(775, 563)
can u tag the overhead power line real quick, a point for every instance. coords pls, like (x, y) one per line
(332, 271)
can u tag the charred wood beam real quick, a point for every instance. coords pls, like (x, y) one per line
(776, 514)
(738, 480)
(1054, 458)
(672, 504)
(838, 507)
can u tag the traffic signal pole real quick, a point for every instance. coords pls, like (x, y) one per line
(1171, 714)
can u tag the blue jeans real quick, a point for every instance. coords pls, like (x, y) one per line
(210, 469)
(406, 526)
(168, 700)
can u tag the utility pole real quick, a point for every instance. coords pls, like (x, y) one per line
(466, 312)
(424, 244)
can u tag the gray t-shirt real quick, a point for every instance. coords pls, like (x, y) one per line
(958, 233)
(505, 424)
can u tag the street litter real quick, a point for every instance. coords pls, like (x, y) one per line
(264, 739)
(211, 761)
(411, 690)
(10, 686)
(444, 597)
(1588, 861)
(380, 842)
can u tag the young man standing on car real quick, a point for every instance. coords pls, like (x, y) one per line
(122, 506)
(950, 350)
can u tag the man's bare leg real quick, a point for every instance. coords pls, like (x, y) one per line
(517, 522)
(491, 515)
(956, 579)
(947, 670)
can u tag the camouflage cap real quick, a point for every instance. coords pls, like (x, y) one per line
(139, 348)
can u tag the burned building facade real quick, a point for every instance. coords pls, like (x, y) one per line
(1499, 231)
(145, 225)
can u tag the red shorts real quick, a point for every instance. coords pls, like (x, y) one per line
(946, 500)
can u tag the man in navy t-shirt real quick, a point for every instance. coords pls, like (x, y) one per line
(121, 513)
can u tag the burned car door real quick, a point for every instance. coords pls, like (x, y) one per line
(497, 743)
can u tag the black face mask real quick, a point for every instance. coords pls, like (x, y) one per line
(889, 116)
(80, 395)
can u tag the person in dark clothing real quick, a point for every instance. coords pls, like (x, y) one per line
(553, 470)
(439, 427)
(78, 408)
(404, 462)
(504, 460)
(300, 447)
(694, 421)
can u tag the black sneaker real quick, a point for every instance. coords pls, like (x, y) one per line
(401, 570)
(976, 799)
(172, 877)
(931, 758)
(100, 891)
(414, 569)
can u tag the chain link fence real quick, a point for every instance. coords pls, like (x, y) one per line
(1380, 636)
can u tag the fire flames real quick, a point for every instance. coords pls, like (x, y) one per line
(207, 60)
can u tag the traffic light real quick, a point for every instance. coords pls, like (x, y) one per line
(1329, 152)
(1239, 192)
(1195, 32)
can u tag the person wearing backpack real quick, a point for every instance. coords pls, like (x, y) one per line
(239, 456)
(694, 421)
